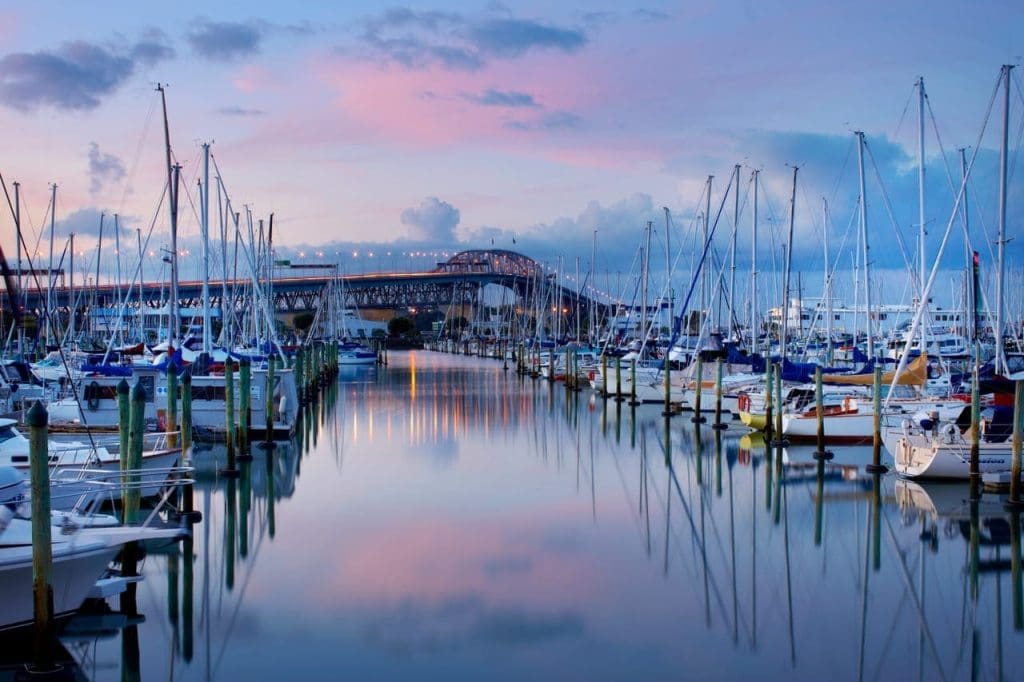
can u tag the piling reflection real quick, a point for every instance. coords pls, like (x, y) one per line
(451, 513)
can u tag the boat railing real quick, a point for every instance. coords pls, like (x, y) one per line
(92, 488)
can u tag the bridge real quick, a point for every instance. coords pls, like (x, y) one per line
(457, 281)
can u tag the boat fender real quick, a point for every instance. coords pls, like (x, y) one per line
(907, 426)
(92, 395)
(6, 514)
(949, 432)
(282, 408)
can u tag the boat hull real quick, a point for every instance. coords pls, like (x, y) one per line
(918, 456)
(74, 574)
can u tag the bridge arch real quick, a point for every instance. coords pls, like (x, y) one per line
(491, 262)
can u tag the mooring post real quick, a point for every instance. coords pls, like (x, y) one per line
(171, 414)
(618, 379)
(975, 464)
(718, 397)
(604, 376)
(632, 383)
(138, 429)
(245, 405)
(667, 386)
(268, 399)
(300, 378)
(819, 408)
(780, 438)
(186, 413)
(231, 470)
(124, 412)
(769, 388)
(698, 417)
(188, 509)
(42, 549)
(124, 415)
(876, 465)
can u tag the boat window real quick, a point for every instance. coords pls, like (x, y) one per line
(6, 433)
(148, 384)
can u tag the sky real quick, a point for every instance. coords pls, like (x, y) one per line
(432, 127)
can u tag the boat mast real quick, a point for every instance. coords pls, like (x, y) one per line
(828, 284)
(49, 271)
(1000, 351)
(732, 246)
(785, 275)
(17, 228)
(204, 224)
(270, 279)
(705, 289)
(577, 299)
(120, 299)
(99, 257)
(668, 273)
(142, 272)
(173, 175)
(921, 255)
(643, 302)
(753, 268)
(922, 222)
(71, 293)
(864, 242)
(592, 325)
(224, 301)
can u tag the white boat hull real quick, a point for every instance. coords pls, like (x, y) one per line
(922, 456)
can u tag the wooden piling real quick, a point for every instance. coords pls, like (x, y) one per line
(268, 399)
(171, 413)
(697, 417)
(186, 413)
(876, 465)
(821, 453)
(975, 456)
(231, 469)
(718, 397)
(779, 439)
(667, 387)
(244, 407)
(188, 510)
(135, 438)
(769, 388)
(618, 379)
(604, 376)
(123, 418)
(632, 383)
(42, 548)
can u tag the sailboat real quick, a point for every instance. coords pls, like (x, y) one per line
(934, 448)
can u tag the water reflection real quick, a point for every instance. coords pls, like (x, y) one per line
(454, 520)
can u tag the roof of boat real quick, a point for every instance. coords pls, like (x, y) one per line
(5, 422)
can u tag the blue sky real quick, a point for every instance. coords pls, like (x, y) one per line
(440, 126)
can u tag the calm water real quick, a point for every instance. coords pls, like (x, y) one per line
(442, 519)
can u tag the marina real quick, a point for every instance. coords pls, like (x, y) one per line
(577, 341)
(444, 516)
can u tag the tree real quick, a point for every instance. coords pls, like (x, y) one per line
(303, 321)
(401, 326)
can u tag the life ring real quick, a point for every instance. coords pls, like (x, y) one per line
(92, 396)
